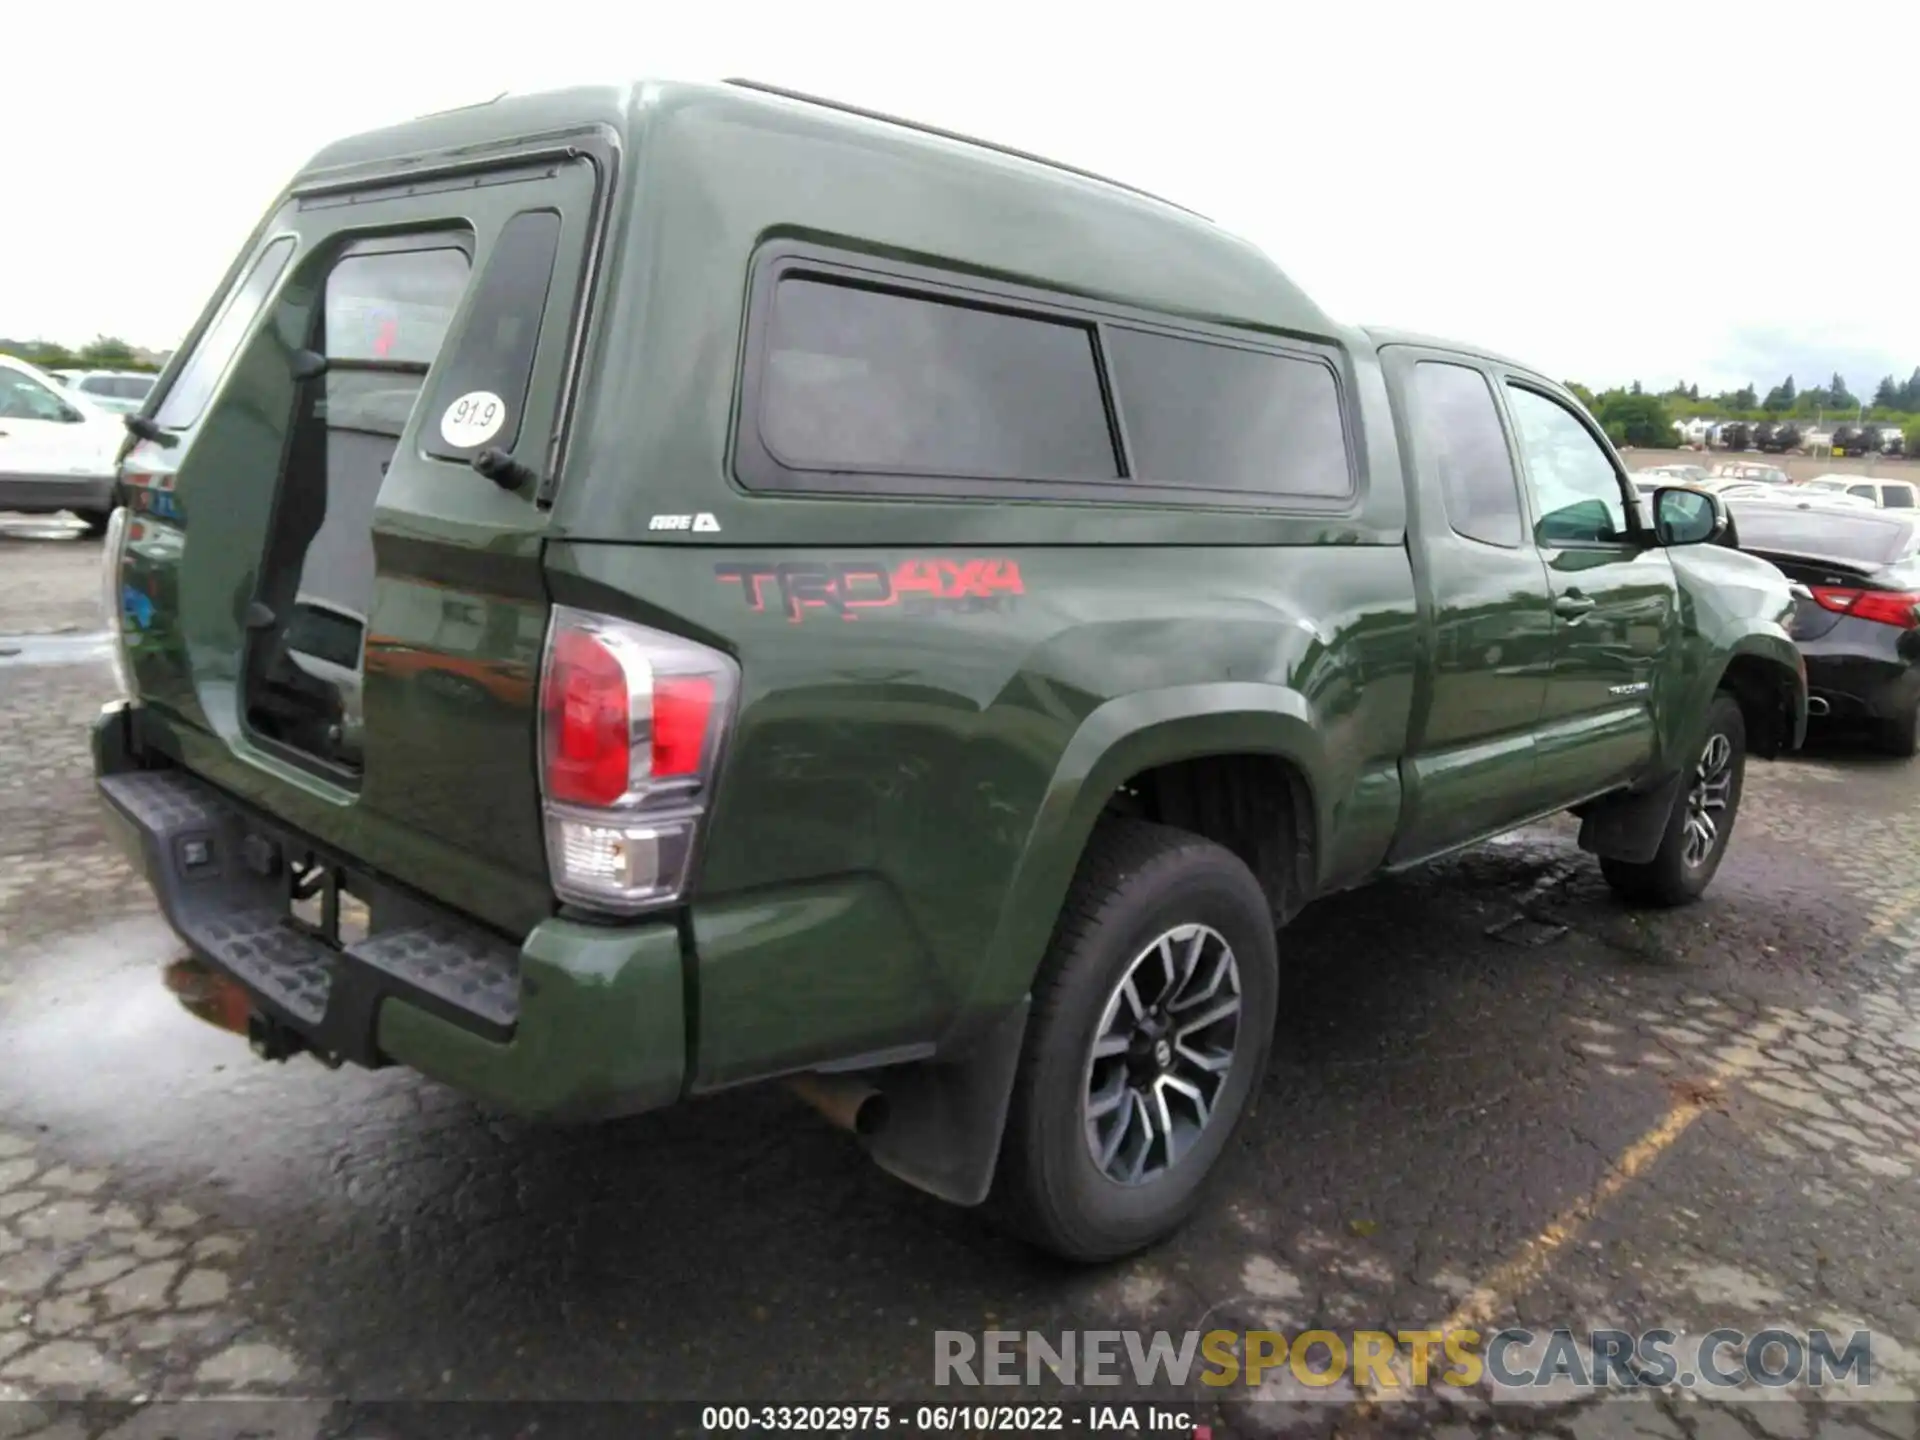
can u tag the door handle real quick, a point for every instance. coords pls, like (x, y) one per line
(1572, 604)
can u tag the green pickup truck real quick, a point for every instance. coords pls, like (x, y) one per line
(631, 592)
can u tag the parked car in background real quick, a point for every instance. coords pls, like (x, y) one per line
(1672, 474)
(120, 391)
(1854, 440)
(1883, 494)
(1858, 625)
(1794, 496)
(1785, 495)
(57, 448)
(1750, 470)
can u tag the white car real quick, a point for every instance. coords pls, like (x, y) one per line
(57, 448)
(1801, 497)
(1882, 494)
(1750, 470)
(121, 391)
(1673, 474)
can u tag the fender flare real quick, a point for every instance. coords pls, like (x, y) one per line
(944, 1132)
(1772, 646)
(1119, 739)
(1630, 826)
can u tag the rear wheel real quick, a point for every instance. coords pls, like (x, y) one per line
(1151, 1022)
(1701, 823)
(1900, 736)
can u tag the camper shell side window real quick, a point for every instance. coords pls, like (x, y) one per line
(900, 381)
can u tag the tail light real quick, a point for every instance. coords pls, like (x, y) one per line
(112, 597)
(1885, 607)
(632, 722)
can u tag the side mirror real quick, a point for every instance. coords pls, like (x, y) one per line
(1687, 517)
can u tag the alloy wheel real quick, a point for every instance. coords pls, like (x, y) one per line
(1161, 1054)
(1707, 799)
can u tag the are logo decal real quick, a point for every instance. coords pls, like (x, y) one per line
(703, 523)
(847, 588)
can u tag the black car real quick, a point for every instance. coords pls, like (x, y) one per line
(1859, 623)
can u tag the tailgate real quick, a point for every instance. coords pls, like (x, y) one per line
(331, 613)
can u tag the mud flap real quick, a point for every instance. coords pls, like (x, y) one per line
(1631, 827)
(945, 1116)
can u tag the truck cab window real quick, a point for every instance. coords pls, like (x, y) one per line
(1576, 490)
(1459, 434)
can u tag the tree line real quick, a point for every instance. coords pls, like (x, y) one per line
(1633, 415)
(103, 352)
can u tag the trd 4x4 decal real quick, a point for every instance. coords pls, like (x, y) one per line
(847, 587)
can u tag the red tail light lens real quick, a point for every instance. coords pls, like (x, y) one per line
(588, 721)
(1884, 607)
(632, 721)
(682, 716)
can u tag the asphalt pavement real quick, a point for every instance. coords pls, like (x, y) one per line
(1497, 1098)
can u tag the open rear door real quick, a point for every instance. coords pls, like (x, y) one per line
(337, 532)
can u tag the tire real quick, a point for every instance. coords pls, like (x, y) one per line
(1900, 736)
(1671, 878)
(1136, 884)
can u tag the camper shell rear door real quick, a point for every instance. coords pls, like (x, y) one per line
(344, 616)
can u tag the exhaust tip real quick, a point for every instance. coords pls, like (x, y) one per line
(849, 1103)
(1817, 705)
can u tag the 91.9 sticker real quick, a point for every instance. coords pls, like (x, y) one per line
(473, 419)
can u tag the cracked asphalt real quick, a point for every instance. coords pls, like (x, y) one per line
(1496, 1095)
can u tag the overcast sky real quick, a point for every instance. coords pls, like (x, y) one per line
(1608, 192)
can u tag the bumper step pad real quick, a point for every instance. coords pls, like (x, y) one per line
(464, 968)
(260, 950)
(236, 918)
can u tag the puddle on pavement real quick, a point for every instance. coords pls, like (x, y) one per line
(15, 526)
(86, 1022)
(55, 649)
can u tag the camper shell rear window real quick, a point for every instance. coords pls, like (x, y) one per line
(490, 362)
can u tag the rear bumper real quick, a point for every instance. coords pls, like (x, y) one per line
(578, 1021)
(43, 494)
(1864, 677)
